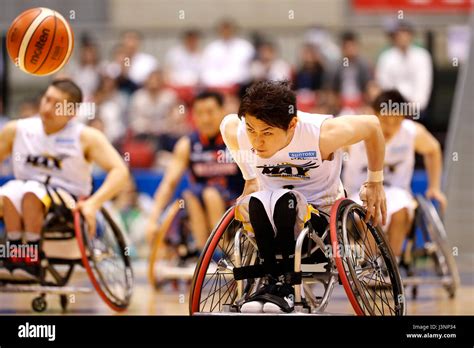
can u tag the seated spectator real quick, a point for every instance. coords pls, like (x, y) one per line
(310, 73)
(268, 66)
(28, 107)
(85, 73)
(352, 76)
(111, 105)
(183, 62)
(155, 114)
(140, 64)
(226, 60)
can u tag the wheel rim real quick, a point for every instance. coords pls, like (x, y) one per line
(106, 260)
(369, 272)
(214, 285)
(434, 230)
(365, 268)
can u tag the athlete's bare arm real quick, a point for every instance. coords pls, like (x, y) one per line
(98, 150)
(171, 179)
(343, 131)
(7, 135)
(229, 134)
(427, 146)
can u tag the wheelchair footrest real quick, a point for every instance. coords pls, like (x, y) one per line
(258, 271)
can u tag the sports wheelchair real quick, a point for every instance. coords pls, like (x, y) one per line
(355, 254)
(67, 243)
(172, 247)
(428, 257)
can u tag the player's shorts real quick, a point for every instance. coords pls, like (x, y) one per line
(397, 199)
(304, 210)
(228, 195)
(15, 190)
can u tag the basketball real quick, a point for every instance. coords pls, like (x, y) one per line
(40, 41)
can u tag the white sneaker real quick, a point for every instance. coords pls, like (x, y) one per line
(270, 307)
(252, 307)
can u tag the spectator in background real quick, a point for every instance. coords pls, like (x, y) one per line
(226, 61)
(268, 66)
(28, 108)
(310, 73)
(154, 112)
(352, 75)
(86, 72)
(111, 106)
(406, 67)
(118, 69)
(183, 62)
(309, 79)
(140, 64)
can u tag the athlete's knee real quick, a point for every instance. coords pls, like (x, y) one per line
(400, 216)
(31, 203)
(285, 208)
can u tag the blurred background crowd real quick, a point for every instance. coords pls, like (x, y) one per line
(143, 100)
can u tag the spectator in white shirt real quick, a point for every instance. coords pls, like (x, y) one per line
(183, 62)
(141, 64)
(268, 66)
(86, 72)
(154, 112)
(406, 67)
(226, 61)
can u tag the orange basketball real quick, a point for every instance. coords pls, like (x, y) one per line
(40, 41)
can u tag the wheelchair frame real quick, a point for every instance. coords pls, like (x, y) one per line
(305, 274)
(57, 227)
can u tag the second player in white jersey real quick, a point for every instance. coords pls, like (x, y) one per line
(56, 158)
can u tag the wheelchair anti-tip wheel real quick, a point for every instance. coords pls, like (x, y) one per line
(105, 257)
(366, 265)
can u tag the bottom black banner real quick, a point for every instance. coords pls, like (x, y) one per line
(142, 331)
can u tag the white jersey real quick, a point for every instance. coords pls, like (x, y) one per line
(56, 158)
(399, 161)
(298, 166)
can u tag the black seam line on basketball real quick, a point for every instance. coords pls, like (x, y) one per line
(23, 36)
(52, 43)
(29, 43)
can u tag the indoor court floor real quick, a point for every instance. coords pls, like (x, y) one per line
(431, 300)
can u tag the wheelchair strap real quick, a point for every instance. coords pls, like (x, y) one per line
(258, 271)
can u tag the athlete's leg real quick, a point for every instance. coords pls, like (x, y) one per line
(284, 218)
(12, 217)
(400, 224)
(33, 213)
(264, 234)
(197, 219)
(214, 205)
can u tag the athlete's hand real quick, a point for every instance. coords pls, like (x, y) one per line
(437, 195)
(251, 186)
(89, 209)
(372, 195)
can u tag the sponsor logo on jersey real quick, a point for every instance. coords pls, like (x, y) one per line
(45, 161)
(303, 155)
(64, 140)
(289, 170)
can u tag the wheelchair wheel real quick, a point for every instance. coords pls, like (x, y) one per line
(168, 244)
(433, 232)
(214, 288)
(106, 259)
(365, 262)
